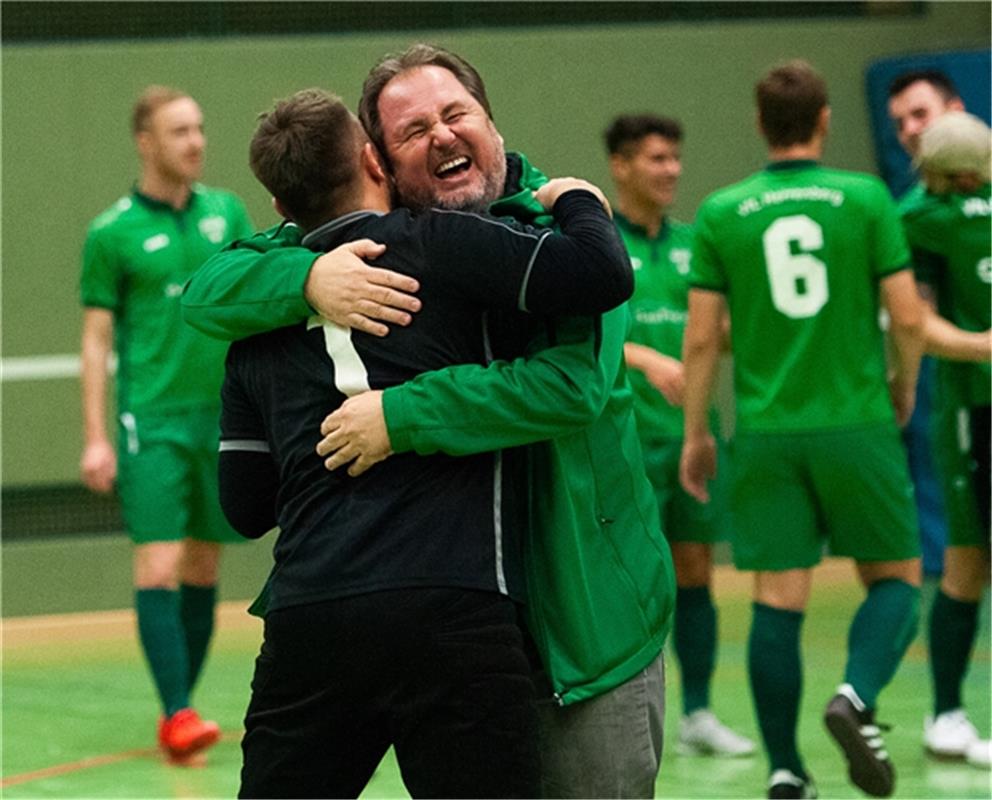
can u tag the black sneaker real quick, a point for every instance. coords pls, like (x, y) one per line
(786, 784)
(860, 739)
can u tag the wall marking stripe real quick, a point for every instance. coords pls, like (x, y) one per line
(44, 368)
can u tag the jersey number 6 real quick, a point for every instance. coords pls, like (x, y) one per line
(798, 279)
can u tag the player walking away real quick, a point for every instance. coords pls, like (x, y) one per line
(137, 257)
(800, 254)
(645, 162)
(949, 232)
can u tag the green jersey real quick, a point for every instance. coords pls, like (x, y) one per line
(951, 240)
(799, 250)
(659, 309)
(138, 255)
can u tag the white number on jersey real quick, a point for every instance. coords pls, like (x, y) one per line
(350, 375)
(798, 280)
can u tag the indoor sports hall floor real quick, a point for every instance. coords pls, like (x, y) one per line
(79, 713)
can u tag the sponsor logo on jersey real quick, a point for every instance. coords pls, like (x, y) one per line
(819, 194)
(681, 257)
(156, 242)
(213, 229)
(658, 316)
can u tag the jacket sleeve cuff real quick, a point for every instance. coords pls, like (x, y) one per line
(399, 418)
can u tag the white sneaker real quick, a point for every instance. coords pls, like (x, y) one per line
(702, 734)
(949, 735)
(980, 753)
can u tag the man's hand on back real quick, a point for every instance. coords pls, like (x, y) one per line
(356, 433)
(342, 288)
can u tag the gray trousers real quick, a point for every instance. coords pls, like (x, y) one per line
(608, 746)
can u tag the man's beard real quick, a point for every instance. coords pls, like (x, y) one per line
(421, 199)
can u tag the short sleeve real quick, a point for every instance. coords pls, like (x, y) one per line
(891, 251)
(100, 282)
(706, 270)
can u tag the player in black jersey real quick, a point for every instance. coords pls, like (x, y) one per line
(390, 613)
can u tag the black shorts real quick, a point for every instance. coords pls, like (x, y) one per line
(440, 674)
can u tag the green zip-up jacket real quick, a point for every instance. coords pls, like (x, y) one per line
(600, 581)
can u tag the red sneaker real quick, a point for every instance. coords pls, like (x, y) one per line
(184, 733)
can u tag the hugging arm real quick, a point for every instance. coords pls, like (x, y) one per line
(269, 281)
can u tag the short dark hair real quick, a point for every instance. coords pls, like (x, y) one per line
(417, 55)
(938, 80)
(151, 99)
(305, 151)
(790, 98)
(626, 131)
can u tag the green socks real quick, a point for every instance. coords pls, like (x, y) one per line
(175, 629)
(775, 669)
(164, 644)
(880, 633)
(196, 610)
(695, 644)
(953, 625)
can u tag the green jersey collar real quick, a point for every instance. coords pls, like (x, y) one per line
(153, 203)
(627, 226)
(791, 163)
(518, 195)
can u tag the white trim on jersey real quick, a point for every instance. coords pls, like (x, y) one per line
(244, 446)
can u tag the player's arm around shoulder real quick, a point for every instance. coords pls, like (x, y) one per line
(581, 268)
(250, 286)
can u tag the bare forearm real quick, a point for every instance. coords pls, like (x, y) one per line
(701, 348)
(94, 353)
(946, 340)
(701, 360)
(94, 395)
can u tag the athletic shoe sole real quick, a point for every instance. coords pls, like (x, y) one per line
(869, 773)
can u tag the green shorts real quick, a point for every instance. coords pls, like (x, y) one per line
(792, 494)
(951, 436)
(683, 518)
(167, 477)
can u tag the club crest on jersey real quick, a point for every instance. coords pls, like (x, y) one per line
(156, 242)
(681, 257)
(213, 229)
(984, 270)
(635, 262)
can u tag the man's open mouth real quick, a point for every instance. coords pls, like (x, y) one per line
(453, 166)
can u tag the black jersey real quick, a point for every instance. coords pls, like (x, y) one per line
(410, 520)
